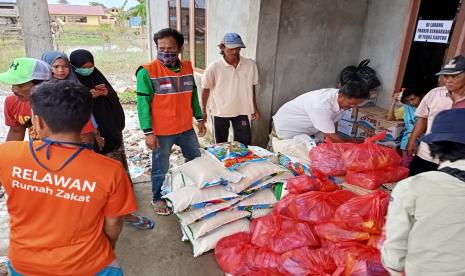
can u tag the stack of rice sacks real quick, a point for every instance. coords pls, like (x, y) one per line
(215, 195)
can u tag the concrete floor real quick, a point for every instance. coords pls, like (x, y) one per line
(160, 251)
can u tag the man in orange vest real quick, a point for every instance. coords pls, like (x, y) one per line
(166, 102)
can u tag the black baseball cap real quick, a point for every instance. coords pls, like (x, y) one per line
(454, 67)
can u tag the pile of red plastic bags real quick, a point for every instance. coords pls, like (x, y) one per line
(367, 165)
(314, 230)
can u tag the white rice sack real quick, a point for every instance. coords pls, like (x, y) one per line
(208, 242)
(268, 183)
(192, 197)
(254, 174)
(203, 227)
(258, 213)
(261, 200)
(195, 215)
(205, 171)
(176, 180)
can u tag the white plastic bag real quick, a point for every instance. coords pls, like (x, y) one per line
(192, 216)
(203, 227)
(192, 197)
(208, 242)
(205, 171)
(296, 148)
(254, 174)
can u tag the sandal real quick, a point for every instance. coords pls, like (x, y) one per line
(143, 223)
(161, 206)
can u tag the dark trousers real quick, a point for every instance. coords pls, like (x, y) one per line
(241, 129)
(420, 165)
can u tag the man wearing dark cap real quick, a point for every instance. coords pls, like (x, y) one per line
(451, 95)
(425, 225)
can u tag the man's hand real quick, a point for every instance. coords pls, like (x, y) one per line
(151, 141)
(256, 115)
(411, 147)
(202, 129)
(205, 116)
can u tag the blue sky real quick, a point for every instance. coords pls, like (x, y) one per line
(108, 3)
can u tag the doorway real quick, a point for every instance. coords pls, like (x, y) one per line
(426, 57)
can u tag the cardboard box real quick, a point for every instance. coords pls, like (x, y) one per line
(368, 117)
(373, 120)
(371, 101)
(393, 129)
(363, 132)
(350, 114)
(347, 128)
(391, 144)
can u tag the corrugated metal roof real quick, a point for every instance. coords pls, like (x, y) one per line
(75, 10)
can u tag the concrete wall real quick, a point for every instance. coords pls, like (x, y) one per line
(382, 38)
(317, 38)
(157, 16)
(267, 48)
(240, 16)
(302, 46)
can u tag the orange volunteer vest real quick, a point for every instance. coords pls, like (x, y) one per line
(172, 101)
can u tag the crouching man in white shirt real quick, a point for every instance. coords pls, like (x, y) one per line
(315, 112)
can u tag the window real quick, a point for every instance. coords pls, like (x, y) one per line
(77, 19)
(104, 17)
(173, 22)
(189, 17)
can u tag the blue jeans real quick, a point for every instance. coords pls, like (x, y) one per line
(189, 145)
(112, 270)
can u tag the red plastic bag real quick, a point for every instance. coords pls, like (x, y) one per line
(304, 183)
(319, 207)
(259, 259)
(359, 260)
(280, 234)
(307, 261)
(376, 241)
(286, 207)
(365, 213)
(231, 253)
(369, 156)
(373, 179)
(334, 233)
(326, 158)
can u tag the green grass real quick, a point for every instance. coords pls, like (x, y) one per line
(128, 97)
(110, 45)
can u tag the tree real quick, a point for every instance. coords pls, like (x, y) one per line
(64, 2)
(140, 10)
(97, 4)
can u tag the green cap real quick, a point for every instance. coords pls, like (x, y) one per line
(24, 69)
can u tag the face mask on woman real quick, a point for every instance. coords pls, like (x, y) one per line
(84, 71)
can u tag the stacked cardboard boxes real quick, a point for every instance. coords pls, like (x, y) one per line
(369, 121)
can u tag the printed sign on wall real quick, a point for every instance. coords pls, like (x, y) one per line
(435, 31)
